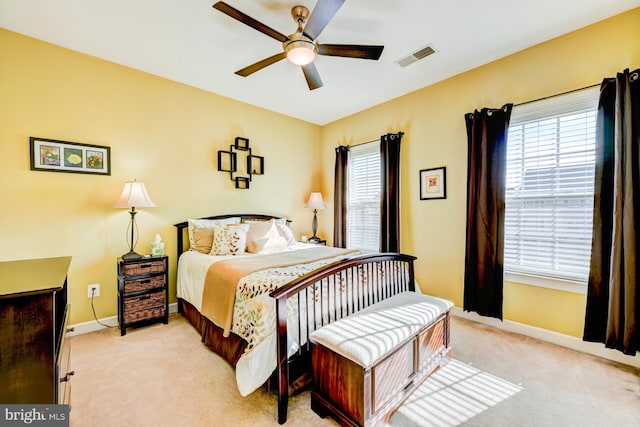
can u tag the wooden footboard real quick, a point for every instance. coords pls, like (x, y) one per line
(328, 294)
(316, 299)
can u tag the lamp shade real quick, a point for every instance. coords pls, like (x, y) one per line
(134, 195)
(315, 201)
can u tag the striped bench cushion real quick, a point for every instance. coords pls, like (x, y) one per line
(368, 335)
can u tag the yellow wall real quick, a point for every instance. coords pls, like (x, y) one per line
(160, 132)
(435, 135)
(167, 135)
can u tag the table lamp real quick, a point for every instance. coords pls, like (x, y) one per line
(315, 202)
(134, 194)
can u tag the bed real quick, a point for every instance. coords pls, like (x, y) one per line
(281, 296)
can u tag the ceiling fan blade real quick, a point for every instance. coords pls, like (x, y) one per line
(322, 14)
(246, 71)
(311, 75)
(351, 50)
(246, 19)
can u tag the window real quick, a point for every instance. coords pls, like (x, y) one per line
(363, 197)
(549, 191)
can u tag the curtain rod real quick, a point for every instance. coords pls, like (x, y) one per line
(374, 140)
(362, 143)
(557, 94)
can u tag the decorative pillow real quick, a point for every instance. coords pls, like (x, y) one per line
(257, 230)
(202, 240)
(204, 243)
(229, 239)
(263, 237)
(282, 225)
(285, 231)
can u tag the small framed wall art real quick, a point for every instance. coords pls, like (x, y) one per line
(63, 156)
(433, 183)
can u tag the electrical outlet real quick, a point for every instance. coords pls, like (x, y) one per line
(95, 288)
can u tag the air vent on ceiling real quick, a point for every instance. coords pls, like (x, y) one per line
(417, 55)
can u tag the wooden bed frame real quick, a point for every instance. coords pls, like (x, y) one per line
(379, 275)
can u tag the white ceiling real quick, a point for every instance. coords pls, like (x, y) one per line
(190, 42)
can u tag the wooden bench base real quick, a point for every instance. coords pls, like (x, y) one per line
(358, 396)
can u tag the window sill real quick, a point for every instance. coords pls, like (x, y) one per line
(547, 282)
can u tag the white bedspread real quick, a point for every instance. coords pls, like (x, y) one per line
(193, 267)
(254, 316)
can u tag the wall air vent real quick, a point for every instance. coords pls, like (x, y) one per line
(417, 55)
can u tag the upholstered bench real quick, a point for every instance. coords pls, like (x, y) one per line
(365, 365)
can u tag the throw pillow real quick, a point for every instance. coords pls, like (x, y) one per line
(264, 238)
(205, 245)
(229, 239)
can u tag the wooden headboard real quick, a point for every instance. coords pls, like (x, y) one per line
(183, 227)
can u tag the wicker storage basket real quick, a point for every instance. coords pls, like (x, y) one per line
(144, 284)
(142, 269)
(144, 307)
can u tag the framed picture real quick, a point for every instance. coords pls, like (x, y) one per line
(433, 183)
(63, 156)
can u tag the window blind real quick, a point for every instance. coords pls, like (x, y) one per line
(549, 187)
(363, 197)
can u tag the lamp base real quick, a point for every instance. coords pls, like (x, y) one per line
(315, 239)
(131, 255)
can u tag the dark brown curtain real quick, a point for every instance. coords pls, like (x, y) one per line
(390, 200)
(340, 198)
(486, 166)
(612, 316)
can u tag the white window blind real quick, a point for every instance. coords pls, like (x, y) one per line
(363, 197)
(549, 187)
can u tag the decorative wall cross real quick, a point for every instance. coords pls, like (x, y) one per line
(241, 172)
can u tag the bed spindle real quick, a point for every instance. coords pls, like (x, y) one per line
(351, 284)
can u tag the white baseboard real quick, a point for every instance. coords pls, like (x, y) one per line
(507, 325)
(563, 340)
(93, 325)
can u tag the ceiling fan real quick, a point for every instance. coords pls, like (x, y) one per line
(301, 47)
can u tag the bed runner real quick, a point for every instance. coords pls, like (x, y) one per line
(223, 276)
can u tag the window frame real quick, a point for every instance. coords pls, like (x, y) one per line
(367, 149)
(539, 110)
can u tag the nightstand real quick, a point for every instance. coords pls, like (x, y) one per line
(143, 292)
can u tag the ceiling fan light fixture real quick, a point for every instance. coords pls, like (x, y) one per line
(300, 50)
(300, 55)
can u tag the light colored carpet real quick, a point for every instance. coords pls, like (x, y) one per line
(161, 375)
(452, 395)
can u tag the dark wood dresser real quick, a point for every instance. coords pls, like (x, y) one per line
(143, 292)
(34, 355)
